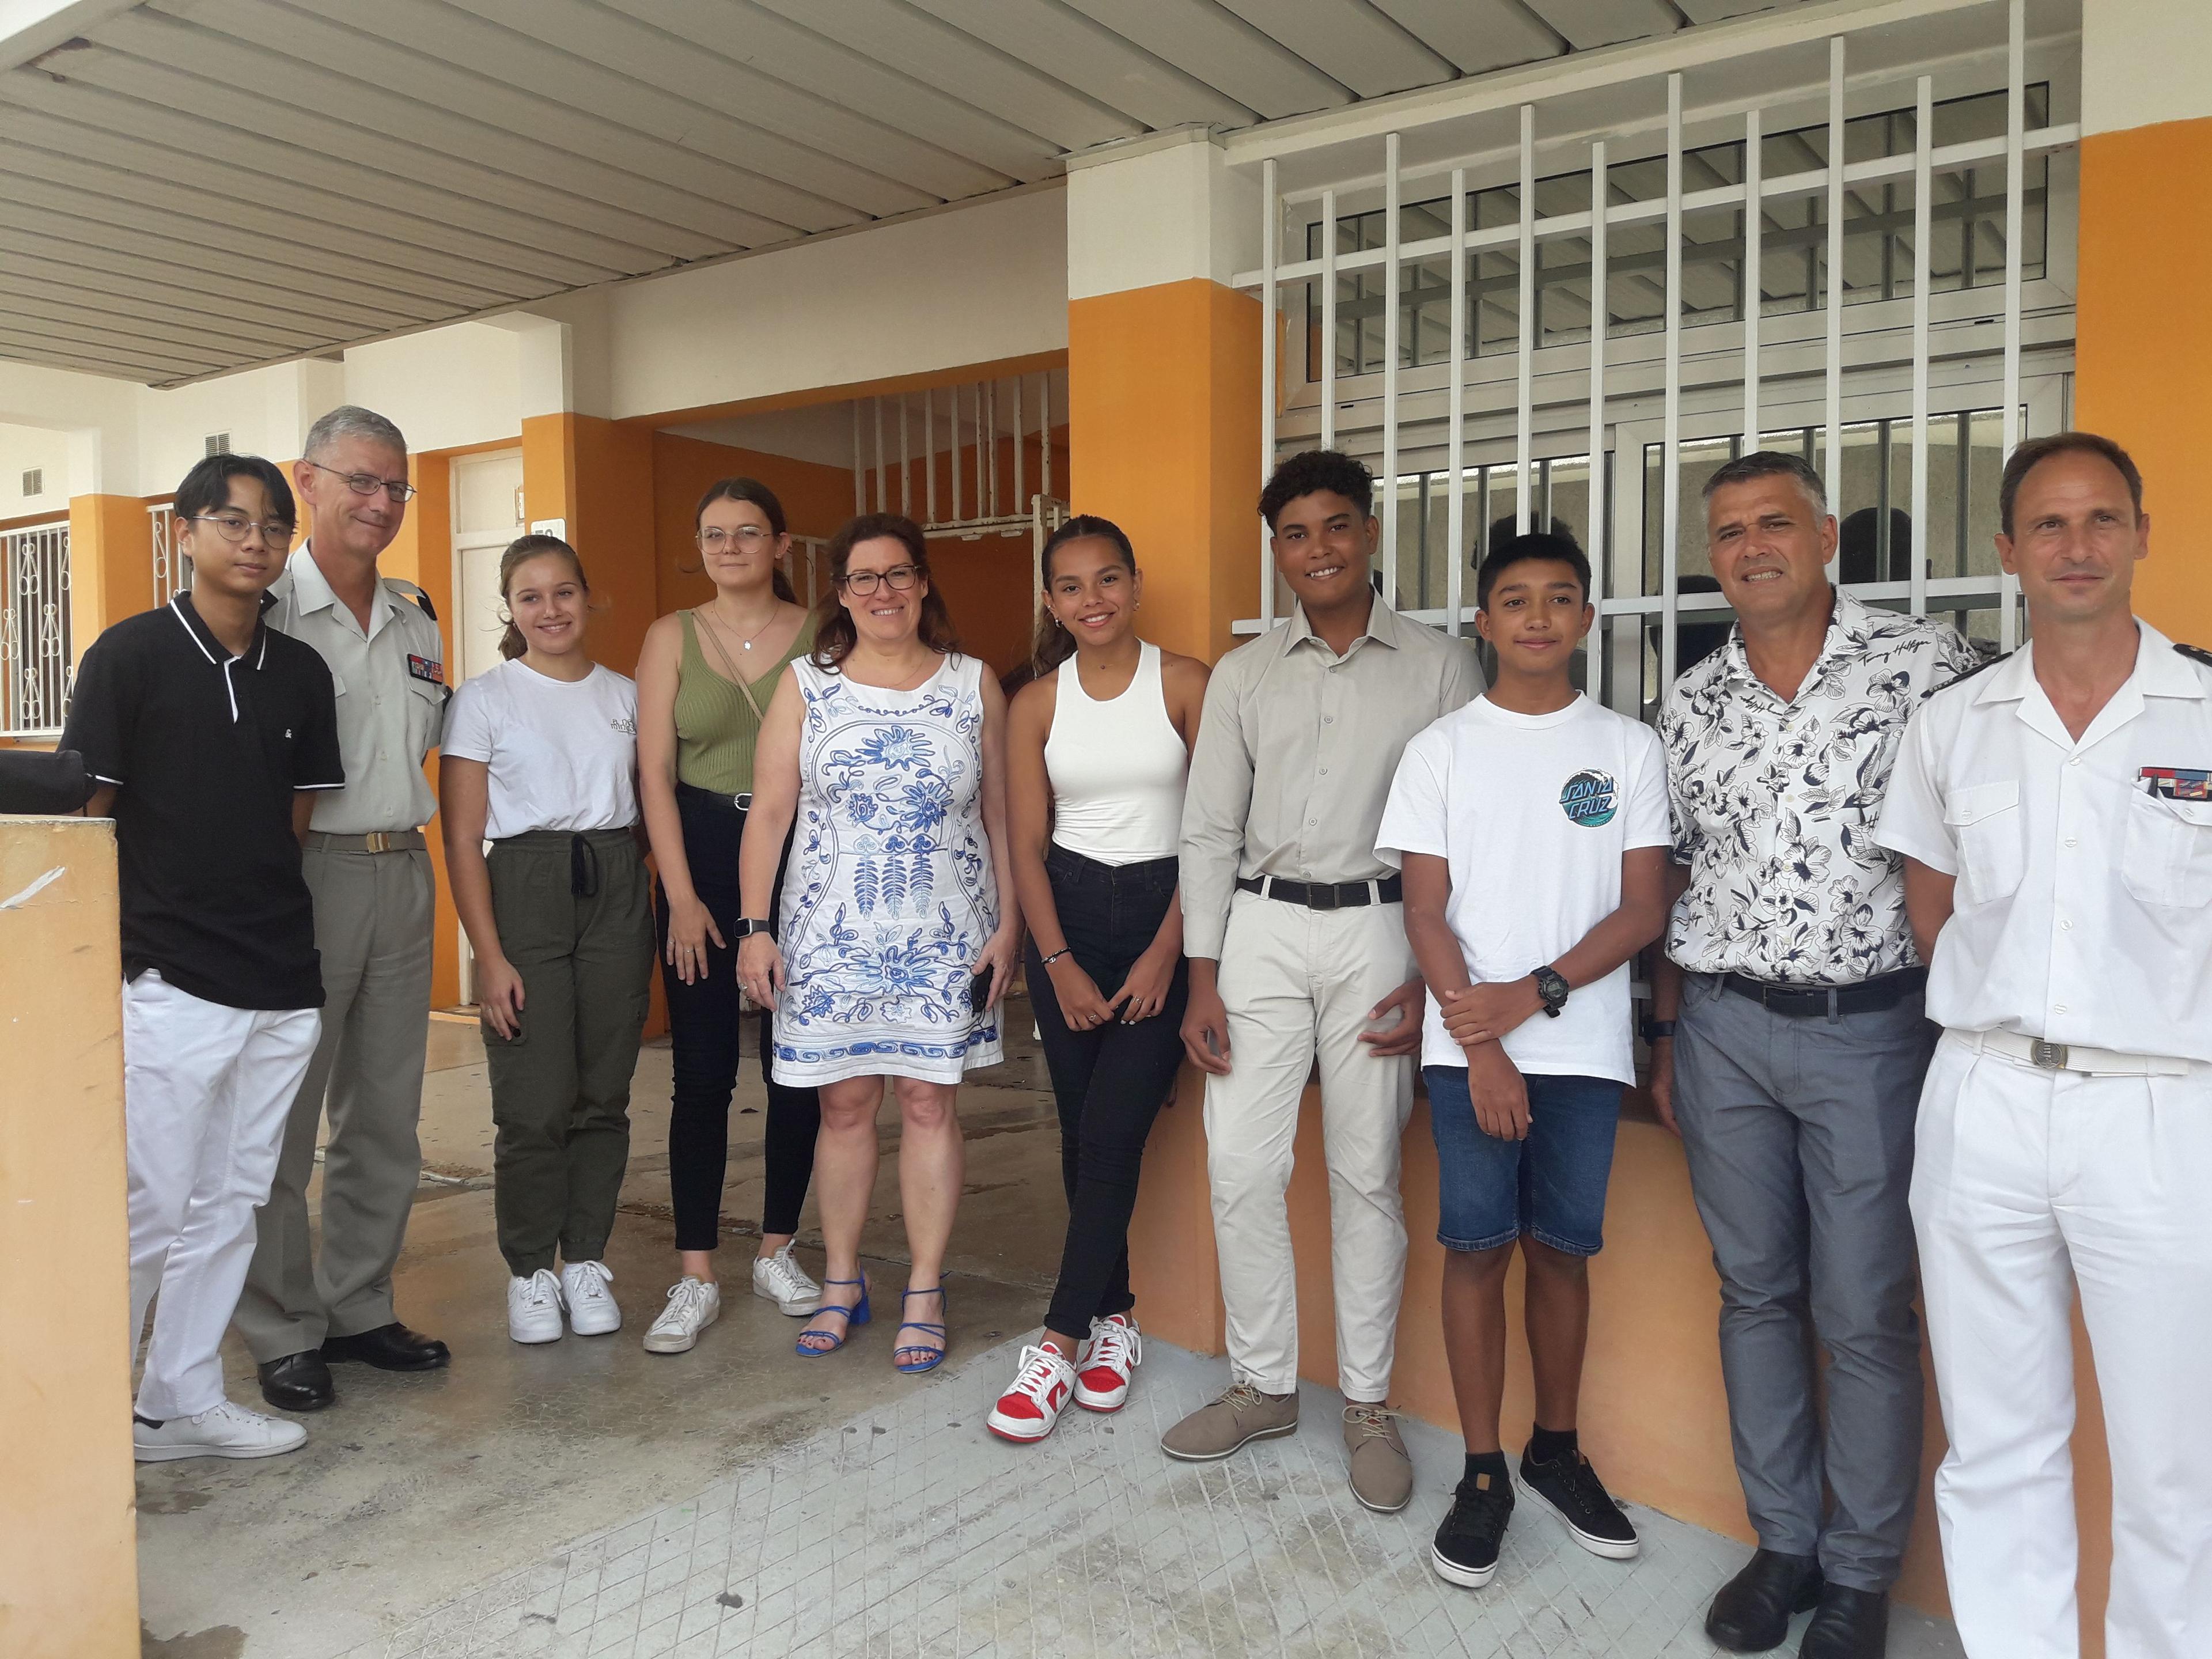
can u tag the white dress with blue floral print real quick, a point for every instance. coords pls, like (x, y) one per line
(891, 897)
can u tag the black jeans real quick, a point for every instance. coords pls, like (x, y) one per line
(1111, 1082)
(704, 1023)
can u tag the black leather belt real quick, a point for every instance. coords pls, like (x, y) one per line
(1324, 895)
(1803, 1001)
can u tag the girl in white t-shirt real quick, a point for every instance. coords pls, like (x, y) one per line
(540, 759)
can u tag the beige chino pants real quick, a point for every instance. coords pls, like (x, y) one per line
(1298, 985)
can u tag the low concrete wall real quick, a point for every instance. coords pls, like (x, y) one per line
(1654, 1412)
(69, 1566)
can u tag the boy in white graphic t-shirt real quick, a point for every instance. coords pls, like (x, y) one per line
(1532, 828)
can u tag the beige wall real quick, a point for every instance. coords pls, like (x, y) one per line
(69, 1568)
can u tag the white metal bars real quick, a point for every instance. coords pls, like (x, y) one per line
(1394, 243)
(2015, 200)
(1524, 383)
(1455, 414)
(172, 570)
(978, 493)
(1923, 220)
(1600, 306)
(1271, 391)
(34, 629)
(1670, 487)
(1834, 369)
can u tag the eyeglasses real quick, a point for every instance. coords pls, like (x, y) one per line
(234, 527)
(367, 484)
(750, 537)
(899, 578)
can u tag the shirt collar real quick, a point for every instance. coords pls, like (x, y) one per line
(1382, 626)
(1851, 625)
(311, 591)
(257, 649)
(2159, 671)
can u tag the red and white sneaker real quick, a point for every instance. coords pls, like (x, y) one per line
(1116, 1349)
(1028, 1410)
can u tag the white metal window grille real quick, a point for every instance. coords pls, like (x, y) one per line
(216, 443)
(1574, 277)
(172, 570)
(977, 484)
(34, 482)
(34, 629)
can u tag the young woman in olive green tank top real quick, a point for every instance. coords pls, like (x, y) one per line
(702, 680)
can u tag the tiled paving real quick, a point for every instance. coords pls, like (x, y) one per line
(910, 1531)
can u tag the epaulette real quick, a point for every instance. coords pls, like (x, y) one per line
(407, 590)
(1978, 668)
(2195, 654)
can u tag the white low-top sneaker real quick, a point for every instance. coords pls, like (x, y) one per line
(1102, 1375)
(591, 1309)
(780, 1279)
(693, 1304)
(533, 1308)
(1028, 1410)
(224, 1430)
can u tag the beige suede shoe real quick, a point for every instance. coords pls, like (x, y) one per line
(1243, 1414)
(1382, 1472)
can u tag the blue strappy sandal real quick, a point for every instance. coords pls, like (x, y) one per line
(936, 1357)
(855, 1315)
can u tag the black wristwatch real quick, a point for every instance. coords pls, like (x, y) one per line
(1656, 1028)
(746, 927)
(1551, 985)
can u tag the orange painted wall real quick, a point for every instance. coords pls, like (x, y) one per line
(816, 500)
(1165, 437)
(111, 564)
(2143, 348)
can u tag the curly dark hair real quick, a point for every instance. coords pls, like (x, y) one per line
(834, 636)
(1313, 470)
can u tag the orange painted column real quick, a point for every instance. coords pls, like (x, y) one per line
(111, 565)
(1163, 375)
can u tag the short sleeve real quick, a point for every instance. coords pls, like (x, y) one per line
(103, 705)
(1416, 819)
(468, 733)
(1912, 811)
(316, 761)
(1650, 815)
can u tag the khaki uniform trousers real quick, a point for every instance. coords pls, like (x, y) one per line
(372, 913)
(1298, 985)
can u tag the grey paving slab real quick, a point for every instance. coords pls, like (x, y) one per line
(908, 1533)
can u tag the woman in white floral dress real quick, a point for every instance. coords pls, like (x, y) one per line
(898, 928)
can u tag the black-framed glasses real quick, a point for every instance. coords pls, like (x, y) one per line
(899, 578)
(751, 537)
(235, 527)
(367, 484)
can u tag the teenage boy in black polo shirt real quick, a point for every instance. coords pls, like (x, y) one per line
(206, 732)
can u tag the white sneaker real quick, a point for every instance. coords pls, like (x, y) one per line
(1102, 1375)
(533, 1308)
(1028, 1410)
(224, 1430)
(780, 1279)
(592, 1308)
(693, 1304)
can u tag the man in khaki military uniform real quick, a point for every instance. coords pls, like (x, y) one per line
(369, 871)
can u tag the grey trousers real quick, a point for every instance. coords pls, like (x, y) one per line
(1799, 1132)
(372, 912)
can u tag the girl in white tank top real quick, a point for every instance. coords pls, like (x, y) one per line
(1095, 787)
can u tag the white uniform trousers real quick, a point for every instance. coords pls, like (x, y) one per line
(205, 1092)
(2028, 1183)
(1298, 984)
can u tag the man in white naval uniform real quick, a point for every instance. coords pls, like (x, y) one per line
(369, 870)
(2054, 817)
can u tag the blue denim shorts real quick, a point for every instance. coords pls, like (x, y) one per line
(1551, 1186)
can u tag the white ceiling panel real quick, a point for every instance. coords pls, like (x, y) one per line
(1715, 11)
(1350, 40)
(1588, 24)
(1476, 35)
(1219, 47)
(390, 165)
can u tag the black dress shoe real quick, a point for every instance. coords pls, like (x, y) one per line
(391, 1347)
(297, 1383)
(1849, 1624)
(1752, 1612)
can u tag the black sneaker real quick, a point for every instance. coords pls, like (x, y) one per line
(1466, 1550)
(1569, 1488)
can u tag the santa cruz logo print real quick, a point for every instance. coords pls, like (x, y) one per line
(1588, 799)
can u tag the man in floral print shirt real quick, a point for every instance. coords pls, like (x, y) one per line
(1787, 1047)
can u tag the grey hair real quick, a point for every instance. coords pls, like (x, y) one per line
(352, 421)
(1771, 464)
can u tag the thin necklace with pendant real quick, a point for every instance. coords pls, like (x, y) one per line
(745, 645)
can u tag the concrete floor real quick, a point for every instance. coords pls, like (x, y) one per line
(547, 1499)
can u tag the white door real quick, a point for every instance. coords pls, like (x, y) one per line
(487, 491)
